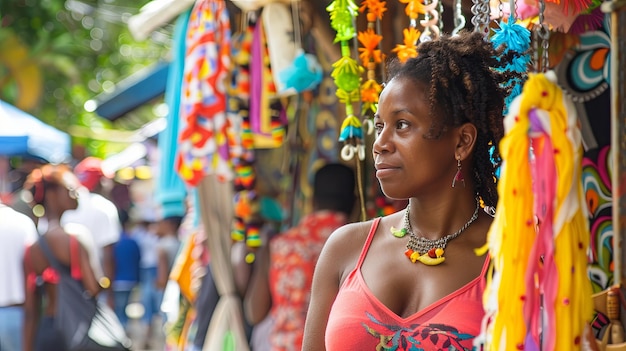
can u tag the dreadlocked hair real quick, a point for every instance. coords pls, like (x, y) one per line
(465, 87)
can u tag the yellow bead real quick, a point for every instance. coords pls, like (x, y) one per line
(250, 257)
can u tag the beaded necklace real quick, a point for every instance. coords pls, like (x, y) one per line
(427, 251)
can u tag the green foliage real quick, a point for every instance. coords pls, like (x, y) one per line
(82, 49)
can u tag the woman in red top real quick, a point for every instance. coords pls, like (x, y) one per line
(411, 280)
(52, 188)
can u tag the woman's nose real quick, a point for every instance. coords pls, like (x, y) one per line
(382, 143)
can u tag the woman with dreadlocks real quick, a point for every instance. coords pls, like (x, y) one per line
(411, 280)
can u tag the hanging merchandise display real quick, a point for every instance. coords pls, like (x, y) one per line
(430, 23)
(293, 70)
(278, 25)
(411, 35)
(539, 298)
(347, 76)
(481, 12)
(371, 55)
(203, 147)
(240, 95)
(515, 39)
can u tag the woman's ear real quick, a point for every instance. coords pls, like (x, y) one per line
(466, 139)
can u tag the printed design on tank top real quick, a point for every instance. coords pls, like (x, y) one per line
(418, 337)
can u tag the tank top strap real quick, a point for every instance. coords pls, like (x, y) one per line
(368, 241)
(487, 270)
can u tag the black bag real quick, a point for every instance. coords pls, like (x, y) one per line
(86, 323)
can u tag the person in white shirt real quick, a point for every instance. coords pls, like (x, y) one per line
(99, 215)
(17, 232)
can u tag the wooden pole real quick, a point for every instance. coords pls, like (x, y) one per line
(617, 9)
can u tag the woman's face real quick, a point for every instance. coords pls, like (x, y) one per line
(408, 164)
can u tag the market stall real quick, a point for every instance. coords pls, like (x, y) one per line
(229, 103)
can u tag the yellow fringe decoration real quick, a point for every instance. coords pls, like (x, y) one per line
(512, 234)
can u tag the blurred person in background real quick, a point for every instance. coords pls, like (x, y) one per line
(283, 270)
(98, 215)
(167, 248)
(54, 189)
(17, 232)
(144, 233)
(127, 257)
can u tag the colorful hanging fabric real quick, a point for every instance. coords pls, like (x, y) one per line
(536, 288)
(170, 189)
(203, 147)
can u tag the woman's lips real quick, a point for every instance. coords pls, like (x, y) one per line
(385, 170)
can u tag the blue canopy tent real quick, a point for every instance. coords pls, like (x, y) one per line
(133, 91)
(22, 134)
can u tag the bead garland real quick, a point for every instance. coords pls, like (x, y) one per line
(427, 251)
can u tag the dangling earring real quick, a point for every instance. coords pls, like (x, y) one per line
(458, 177)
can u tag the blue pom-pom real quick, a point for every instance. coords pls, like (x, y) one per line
(515, 36)
(305, 73)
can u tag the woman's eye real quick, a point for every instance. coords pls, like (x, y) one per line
(402, 124)
(378, 128)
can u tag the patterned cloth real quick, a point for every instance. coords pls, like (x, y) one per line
(292, 262)
(204, 128)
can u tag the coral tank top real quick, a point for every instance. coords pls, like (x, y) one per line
(359, 321)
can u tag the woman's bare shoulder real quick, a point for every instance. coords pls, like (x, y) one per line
(343, 247)
(350, 235)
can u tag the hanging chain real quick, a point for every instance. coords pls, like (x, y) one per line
(513, 10)
(440, 10)
(542, 41)
(295, 14)
(480, 19)
(431, 22)
(459, 19)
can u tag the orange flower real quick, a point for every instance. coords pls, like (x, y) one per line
(414, 8)
(409, 49)
(370, 91)
(370, 40)
(374, 7)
